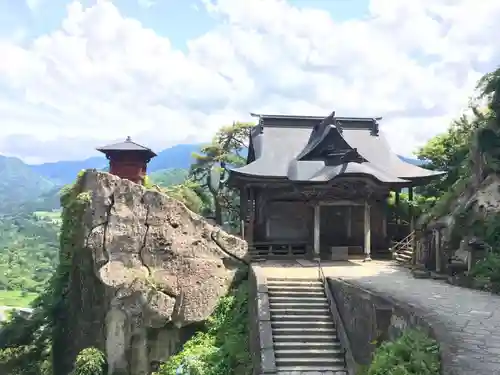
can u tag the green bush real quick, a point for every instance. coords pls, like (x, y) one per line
(90, 361)
(414, 353)
(223, 348)
(487, 272)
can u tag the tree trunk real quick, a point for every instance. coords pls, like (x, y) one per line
(218, 211)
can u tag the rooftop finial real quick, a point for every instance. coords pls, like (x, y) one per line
(129, 139)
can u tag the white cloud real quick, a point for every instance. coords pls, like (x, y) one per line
(34, 4)
(146, 3)
(102, 76)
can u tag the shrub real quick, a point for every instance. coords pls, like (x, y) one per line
(223, 348)
(90, 361)
(414, 353)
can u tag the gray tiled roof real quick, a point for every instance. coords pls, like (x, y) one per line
(127, 145)
(283, 146)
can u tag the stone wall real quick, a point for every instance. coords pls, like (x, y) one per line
(370, 318)
(259, 316)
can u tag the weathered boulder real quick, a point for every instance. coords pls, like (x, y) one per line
(156, 266)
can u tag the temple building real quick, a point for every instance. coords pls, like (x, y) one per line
(128, 160)
(318, 187)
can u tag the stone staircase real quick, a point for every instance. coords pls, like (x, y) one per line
(304, 334)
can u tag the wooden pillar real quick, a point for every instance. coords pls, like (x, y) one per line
(317, 217)
(437, 239)
(410, 208)
(396, 206)
(251, 220)
(412, 225)
(349, 222)
(384, 218)
(368, 234)
(243, 210)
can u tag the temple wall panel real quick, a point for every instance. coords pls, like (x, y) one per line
(287, 221)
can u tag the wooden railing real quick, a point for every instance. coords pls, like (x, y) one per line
(277, 250)
(403, 251)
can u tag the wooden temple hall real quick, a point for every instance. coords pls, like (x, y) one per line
(317, 187)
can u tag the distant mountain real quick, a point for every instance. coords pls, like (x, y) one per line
(64, 172)
(35, 187)
(20, 183)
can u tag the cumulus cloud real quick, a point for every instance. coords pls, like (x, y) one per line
(102, 76)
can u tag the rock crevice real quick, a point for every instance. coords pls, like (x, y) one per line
(162, 266)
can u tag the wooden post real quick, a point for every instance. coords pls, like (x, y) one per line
(317, 218)
(384, 219)
(251, 220)
(412, 226)
(396, 207)
(367, 227)
(437, 239)
(243, 210)
(349, 222)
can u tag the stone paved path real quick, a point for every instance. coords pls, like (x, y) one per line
(471, 318)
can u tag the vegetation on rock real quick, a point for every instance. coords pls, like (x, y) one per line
(413, 353)
(223, 347)
(469, 153)
(90, 361)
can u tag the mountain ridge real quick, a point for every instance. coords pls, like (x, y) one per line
(36, 186)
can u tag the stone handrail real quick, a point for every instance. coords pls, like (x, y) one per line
(261, 337)
(339, 324)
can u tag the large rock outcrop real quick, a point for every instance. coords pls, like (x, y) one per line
(142, 269)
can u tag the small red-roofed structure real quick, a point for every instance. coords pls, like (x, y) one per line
(128, 160)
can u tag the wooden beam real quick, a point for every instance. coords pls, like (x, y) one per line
(340, 203)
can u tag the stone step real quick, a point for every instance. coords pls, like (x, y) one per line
(296, 293)
(301, 312)
(294, 279)
(298, 288)
(297, 345)
(298, 299)
(326, 362)
(309, 353)
(286, 304)
(298, 335)
(312, 370)
(301, 318)
(306, 326)
(402, 259)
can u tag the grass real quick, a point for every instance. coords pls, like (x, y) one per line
(50, 216)
(16, 298)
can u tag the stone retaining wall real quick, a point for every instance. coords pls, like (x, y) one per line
(369, 318)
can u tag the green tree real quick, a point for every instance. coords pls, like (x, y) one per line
(227, 149)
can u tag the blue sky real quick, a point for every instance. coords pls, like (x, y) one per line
(179, 20)
(75, 74)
